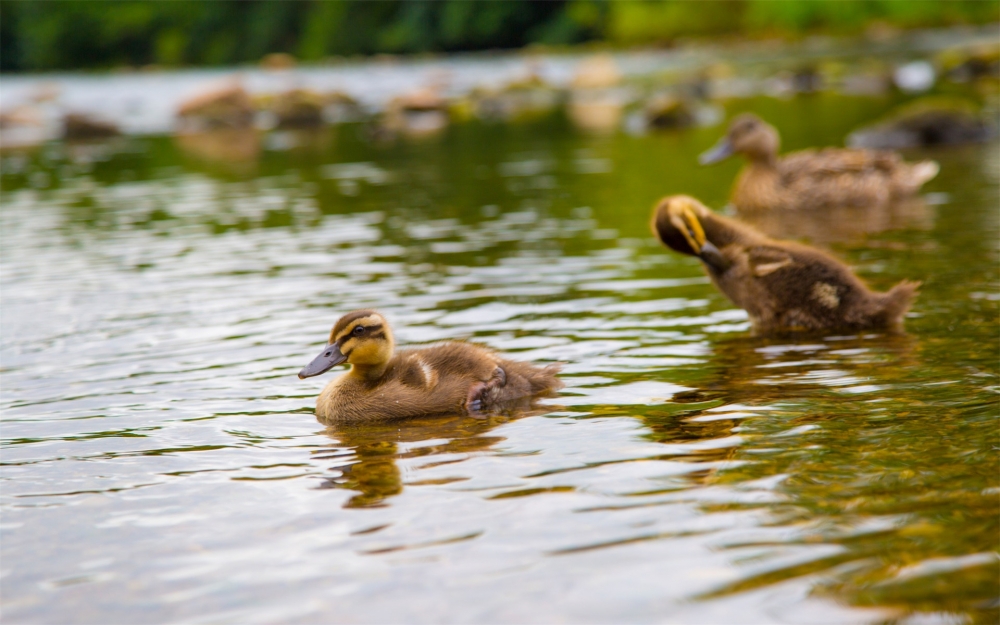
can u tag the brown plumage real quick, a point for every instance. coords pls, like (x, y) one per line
(783, 286)
(811, 179)
(450, 378)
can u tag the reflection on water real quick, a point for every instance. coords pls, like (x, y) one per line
(844, 224)
(161, 460)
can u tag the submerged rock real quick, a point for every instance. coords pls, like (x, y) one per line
(80, 126)
(297, 108)
(225, 107)
(925, 122)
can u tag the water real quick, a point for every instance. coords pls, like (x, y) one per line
(161, 461)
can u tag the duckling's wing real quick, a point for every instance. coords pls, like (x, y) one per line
(410, 369)
(456, 359)
(765, 260)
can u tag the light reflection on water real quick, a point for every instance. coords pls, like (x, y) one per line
(161, 460)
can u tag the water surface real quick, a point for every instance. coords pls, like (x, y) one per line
(162, 462)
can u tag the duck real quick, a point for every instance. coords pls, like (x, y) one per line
(784, 286)
(812, 179)
(449, 378)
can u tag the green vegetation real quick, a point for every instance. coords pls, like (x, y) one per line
(75, 34)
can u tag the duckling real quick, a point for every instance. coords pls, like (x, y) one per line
(783, 286)
(811, 179)
(450, 378)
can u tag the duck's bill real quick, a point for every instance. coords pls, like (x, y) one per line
(718, 152)
(329, 358)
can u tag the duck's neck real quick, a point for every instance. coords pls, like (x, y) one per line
(757, 187)
(368, 373)
(763, 160)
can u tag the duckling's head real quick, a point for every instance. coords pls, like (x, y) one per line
(677, 224)
(361, 338)
(748, 135)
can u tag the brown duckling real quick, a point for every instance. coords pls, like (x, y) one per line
(783, 286)
(450, 378)
(811, 179)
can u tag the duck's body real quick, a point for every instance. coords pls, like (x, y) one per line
(783, 286)
(813, 179)
(450, 378)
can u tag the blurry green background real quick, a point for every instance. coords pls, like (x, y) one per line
(75, 34)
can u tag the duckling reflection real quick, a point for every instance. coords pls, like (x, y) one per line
(755, 371)
(811, 179)
(783, 286)
(373, 469)
(449, 378)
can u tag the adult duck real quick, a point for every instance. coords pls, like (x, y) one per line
(812, 179)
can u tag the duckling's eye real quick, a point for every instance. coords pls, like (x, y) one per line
(358, 331)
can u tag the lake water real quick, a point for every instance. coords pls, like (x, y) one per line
(162, 462)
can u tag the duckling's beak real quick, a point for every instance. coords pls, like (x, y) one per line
(720, 151)
(711, 256)
(328, 359)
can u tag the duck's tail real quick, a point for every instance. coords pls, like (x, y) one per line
(897, 301)
(546, 379)
(918, 174)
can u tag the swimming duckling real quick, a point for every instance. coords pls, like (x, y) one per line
(782, 285)
(450, 378)
(811, 179)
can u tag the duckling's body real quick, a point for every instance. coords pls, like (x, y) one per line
(450, 378)
(783, 286)
(811, 179)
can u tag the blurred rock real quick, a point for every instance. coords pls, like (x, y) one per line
(233, 149)
(871, 83)
(597, 72)
(46, 92)
(27, 125)
(296, 108)
(807, 79)
(225, 107)
(915, 77)
(597, 102)
(421, 112)
(664, 111)
(981, 63)
(598, 112)
(338, 107)
(278, 61)
(80, 126)
(925, 122)
(520, 100)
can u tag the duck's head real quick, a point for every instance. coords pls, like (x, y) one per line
(361, 338)
(677, 224)
(748, 135)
